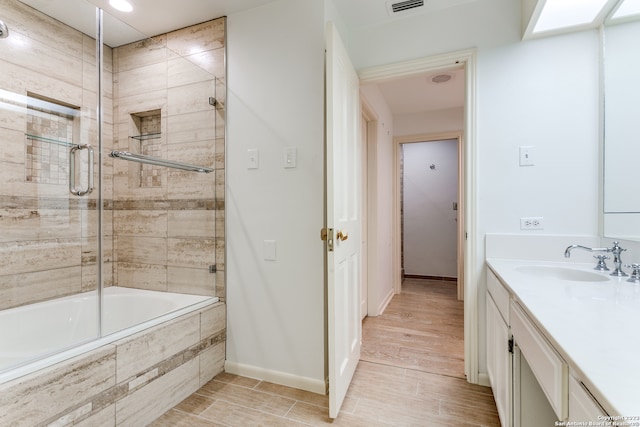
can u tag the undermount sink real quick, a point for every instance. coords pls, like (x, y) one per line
(561, 273)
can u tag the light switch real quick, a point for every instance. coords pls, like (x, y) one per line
(526, 156)
(269, 250)
(290, 157)
(253, 160)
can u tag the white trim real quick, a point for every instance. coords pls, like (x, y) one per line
(383, 305)
(276, 377)
(483, 379)
(466, 58)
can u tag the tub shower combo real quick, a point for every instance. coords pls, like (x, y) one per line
(111, 216)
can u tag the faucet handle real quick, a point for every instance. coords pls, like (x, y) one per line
(602, 265)
(635, 275)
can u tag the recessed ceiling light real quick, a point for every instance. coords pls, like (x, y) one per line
(121, 5)
(568, 13)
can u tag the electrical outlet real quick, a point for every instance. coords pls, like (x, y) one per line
(531, 223)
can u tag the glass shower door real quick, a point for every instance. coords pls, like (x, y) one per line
(49, 188)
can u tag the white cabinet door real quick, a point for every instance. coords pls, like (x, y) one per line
(499, 361)
(582, 407)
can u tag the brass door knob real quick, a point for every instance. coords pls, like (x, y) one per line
(343, 236)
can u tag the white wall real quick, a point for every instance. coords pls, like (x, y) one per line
(430, 227)
(447, 120)
(542, 93)
(380, 220)
(276, 100)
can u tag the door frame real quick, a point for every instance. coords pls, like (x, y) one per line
(397, 217)
(467, 59)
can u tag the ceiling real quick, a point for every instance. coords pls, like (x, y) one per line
(151, 17)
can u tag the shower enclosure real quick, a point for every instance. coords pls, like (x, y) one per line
(112, 174)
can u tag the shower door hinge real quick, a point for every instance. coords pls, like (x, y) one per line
(326, 234)
(510, 344)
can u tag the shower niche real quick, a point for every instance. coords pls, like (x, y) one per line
(146, 139)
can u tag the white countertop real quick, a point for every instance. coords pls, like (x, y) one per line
(595, 326)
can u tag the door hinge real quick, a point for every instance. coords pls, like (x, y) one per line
(326, 234)
(510, 345)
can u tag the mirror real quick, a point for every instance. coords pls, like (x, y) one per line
(621, 207)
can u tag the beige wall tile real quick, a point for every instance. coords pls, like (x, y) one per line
(141, 276)
(148, 250)
(195, 281)
(142, 79)
(197, 38)
(13, 150)
(191, 223)
(136, 354)
(140, 223)
(195, 253)
(191, 127)
(148, 101)
(196, 68)
(190, 98)
(36, 224)
(146, 404)
(29, 256)
(211, 362)
(213, 320)
(201, 153)
(21, 400)
(141, 53)
(39, 27)
(20, 289)
(104, 418)
(41, 58)
(190, 185)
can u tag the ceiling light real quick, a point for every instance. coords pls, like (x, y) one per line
(567, 13)
(441, 78)
(627, 8)
(121, 5)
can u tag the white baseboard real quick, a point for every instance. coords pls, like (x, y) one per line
(276, 377)
(483, 379)
(383, 306)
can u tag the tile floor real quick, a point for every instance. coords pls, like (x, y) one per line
(411, 373)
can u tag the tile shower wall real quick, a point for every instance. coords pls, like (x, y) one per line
(47, 237)
(168, 224)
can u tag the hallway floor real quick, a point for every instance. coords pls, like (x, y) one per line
(411, 373)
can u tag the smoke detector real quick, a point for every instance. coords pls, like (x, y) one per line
(403, 7)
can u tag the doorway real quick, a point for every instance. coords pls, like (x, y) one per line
(464, 60)
(430, 186)
(428, 209)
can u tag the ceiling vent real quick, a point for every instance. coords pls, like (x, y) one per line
(403, 6)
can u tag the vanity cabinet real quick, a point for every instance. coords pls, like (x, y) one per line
(498, 349)
(530, 380)
(582, 406)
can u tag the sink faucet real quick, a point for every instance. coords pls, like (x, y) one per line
(616, 250)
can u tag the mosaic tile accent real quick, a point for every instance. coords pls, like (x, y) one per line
(49, 135)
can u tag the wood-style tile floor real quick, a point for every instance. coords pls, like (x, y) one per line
(411, 373)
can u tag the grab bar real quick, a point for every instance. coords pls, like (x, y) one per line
(150, 160)
(72, 170)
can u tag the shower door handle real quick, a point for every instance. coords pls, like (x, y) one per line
(72, 170)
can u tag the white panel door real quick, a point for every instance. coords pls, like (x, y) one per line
(343, 219)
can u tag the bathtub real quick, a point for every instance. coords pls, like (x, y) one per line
(58, 329)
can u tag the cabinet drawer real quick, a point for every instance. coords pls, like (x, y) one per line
(582, 406)
(548, 367)
(499, 293)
